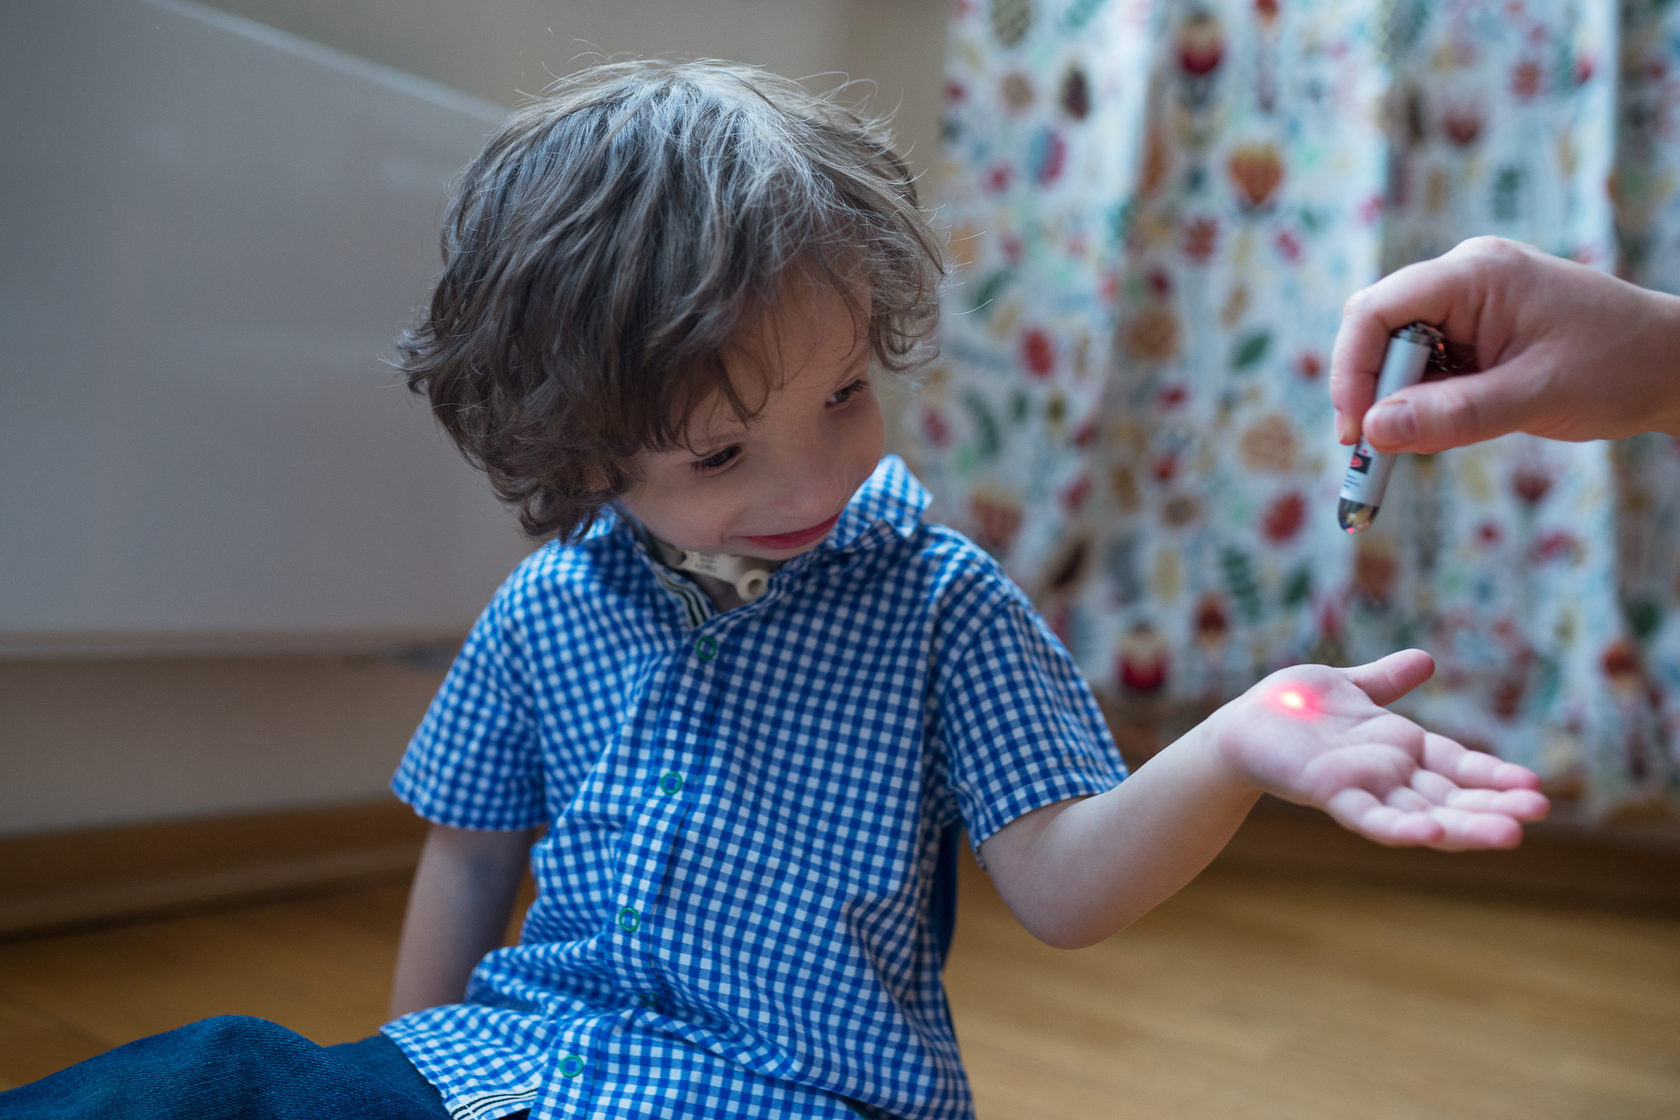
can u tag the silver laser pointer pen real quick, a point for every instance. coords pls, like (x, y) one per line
(1409, 350)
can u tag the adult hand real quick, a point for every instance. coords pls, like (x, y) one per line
(1565, 352)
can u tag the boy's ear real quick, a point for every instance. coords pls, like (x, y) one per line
(598, 480)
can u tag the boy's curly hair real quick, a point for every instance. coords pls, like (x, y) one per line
(617, 234)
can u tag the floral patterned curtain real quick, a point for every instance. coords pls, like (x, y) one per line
(1157, 211)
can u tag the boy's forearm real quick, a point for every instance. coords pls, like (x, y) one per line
(458, 910)
(1079, 871)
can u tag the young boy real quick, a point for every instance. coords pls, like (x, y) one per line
(732, 714)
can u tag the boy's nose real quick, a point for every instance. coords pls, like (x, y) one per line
(816, 492)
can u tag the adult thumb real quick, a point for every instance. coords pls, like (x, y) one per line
(1435, 415)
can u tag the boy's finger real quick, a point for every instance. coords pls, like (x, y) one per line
(1463, 831)
(1474, 769)
(1358, 810)
(1444, 829)
(1437, 788)
(1389, 678)
(1518, 804)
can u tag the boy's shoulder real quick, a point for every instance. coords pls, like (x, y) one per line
(957, 570)
(557, 571)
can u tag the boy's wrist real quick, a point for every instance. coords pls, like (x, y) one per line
(1222, 748)
(1664, 339)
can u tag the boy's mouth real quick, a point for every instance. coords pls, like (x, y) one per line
(797, 539)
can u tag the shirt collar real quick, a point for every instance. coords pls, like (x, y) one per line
(890, 501)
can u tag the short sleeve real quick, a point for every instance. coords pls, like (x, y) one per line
(1018, 725)
(476, 760)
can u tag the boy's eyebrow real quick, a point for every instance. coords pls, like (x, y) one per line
(851, 371)
(712, 434)
(714, 437)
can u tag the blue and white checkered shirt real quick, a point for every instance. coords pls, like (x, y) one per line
(744, 811)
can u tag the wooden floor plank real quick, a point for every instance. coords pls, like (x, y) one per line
(1260, 996)
(1248, 996)
(32, 1044)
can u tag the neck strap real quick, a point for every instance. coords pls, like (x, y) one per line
(749, 575)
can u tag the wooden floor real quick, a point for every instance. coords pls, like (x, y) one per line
(1247, 996)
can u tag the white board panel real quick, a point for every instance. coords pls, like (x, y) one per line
(210, 233)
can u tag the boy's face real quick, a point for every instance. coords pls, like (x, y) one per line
(774, 487)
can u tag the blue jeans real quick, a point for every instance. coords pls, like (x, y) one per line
(237, 1068)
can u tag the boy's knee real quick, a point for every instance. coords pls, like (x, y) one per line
(228, 1054)
(214, 1067)
(234, 1034)
(232, 1042)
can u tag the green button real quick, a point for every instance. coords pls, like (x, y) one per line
(571, 1065)
(706, 648)
(671, 782)
(628, 920)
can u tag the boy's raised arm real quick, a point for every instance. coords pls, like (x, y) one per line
(1077, 871)
(458, 909)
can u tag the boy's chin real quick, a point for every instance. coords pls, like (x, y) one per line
(777, 556)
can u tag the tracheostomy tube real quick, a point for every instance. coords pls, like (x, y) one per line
(1409, 351)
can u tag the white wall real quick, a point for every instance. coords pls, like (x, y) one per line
(213, 235)
(116, 741)
(94, 742)
(500, 49)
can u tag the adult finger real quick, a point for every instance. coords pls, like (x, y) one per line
(1453, 292)
(1429, 291)
(1355, 361)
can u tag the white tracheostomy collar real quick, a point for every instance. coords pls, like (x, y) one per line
(750, 575)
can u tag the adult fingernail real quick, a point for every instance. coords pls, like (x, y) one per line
(1392, 422)
(1344, 428)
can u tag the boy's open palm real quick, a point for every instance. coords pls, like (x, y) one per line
(1323, 737)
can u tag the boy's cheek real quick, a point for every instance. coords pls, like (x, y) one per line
(690, 522)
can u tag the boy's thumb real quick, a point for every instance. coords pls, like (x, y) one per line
(1387, 679)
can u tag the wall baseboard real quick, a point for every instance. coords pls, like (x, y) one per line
(1621, 867)
(1628, 863)
(65, 879)
(61, 880)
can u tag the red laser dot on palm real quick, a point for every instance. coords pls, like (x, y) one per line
(1295, 701)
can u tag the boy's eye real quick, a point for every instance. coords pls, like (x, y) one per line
(849, 391)
(716, 459)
